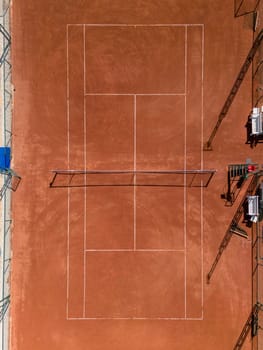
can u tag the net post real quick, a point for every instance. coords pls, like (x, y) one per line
(207, 146)
(53, 179)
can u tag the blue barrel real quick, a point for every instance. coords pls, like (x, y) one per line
(5, 157)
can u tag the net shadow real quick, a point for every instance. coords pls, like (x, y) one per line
(150, 178)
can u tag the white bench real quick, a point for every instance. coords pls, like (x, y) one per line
(256, 121)
(253, 207)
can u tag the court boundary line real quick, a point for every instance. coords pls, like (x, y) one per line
(185, 166)
(202, 167)
(134, 318)
(136, 24)
(135, 94)
(68, 161)
(201, 210)
(85, 167)
(134, 169)
(136, 250)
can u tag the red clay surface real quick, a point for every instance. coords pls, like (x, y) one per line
(121, 117)
(134, 85)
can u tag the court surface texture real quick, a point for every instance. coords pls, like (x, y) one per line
(126, 86)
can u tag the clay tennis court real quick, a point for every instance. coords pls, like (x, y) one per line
(128, 91)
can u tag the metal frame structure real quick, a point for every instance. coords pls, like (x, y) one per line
(238, 8)
(257, 286)
(250, 325)
(234, 228)
(237, 174)
(11, 181)
(230, 98)
(7, 175)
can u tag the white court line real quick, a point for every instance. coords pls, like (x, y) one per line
(202, 190)
(68, 146)
(137, 24)
(185, 179)
(85, 167)
(134, 168)
(135, 318)
(134, 94)
(134, 250)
